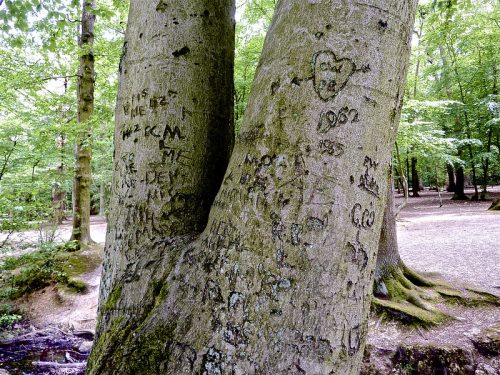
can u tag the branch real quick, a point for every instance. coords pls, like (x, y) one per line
(57, 77)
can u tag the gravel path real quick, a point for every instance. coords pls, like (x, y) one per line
(460, 240)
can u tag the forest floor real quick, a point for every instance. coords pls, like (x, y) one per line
(457, 242)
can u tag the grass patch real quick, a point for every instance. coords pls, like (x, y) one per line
(8, 316)
(49, 265)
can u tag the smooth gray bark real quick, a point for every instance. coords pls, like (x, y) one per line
(281, 278)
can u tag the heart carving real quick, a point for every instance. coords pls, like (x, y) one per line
(331, 74)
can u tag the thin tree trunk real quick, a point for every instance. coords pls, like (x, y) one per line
(486, 165)
(451, 178)
(83, 148)
(415, 181)
(280, 279)
(403, 178)
(407, 166)
(417, 67)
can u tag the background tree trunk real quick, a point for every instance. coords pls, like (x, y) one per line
(451, 178)
(279, 282)
(460, 185)
(415, 181)
(83, 148)
(388, 258)
(58, 203)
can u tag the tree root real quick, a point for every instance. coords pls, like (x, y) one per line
(405, 296)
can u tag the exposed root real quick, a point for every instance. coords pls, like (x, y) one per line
(408, 313)
(411, 298)
(495, 206)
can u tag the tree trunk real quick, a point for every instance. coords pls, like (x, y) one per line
(58, 203)
(83, 150)
(486, 166)
(173, 138)
(451, 178)
(388, 258)
(396, 286)
(460, 185)
(415, 181)
(280, 279)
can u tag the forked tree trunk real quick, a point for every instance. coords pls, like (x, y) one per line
(83, 148)
(451, 178)
(280, 279)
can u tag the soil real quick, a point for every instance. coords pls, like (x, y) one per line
(456, 242)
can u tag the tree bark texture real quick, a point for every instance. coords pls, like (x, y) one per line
(58, 203)
(280, 279)
(415, 181)
(83, 148)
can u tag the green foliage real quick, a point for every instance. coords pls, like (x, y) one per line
(8, 316)
(255, 17)
(455, 61)
(38, 82)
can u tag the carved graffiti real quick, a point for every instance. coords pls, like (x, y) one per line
(331, 147)
(357, 253)
(354, 340)
(129, 180)
(130, 130)
(362, 218)
(331, 73)
(367, 180)
(331, 119)
(296, 234)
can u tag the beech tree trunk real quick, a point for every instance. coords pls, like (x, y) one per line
(280, 277)
(83, 148)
